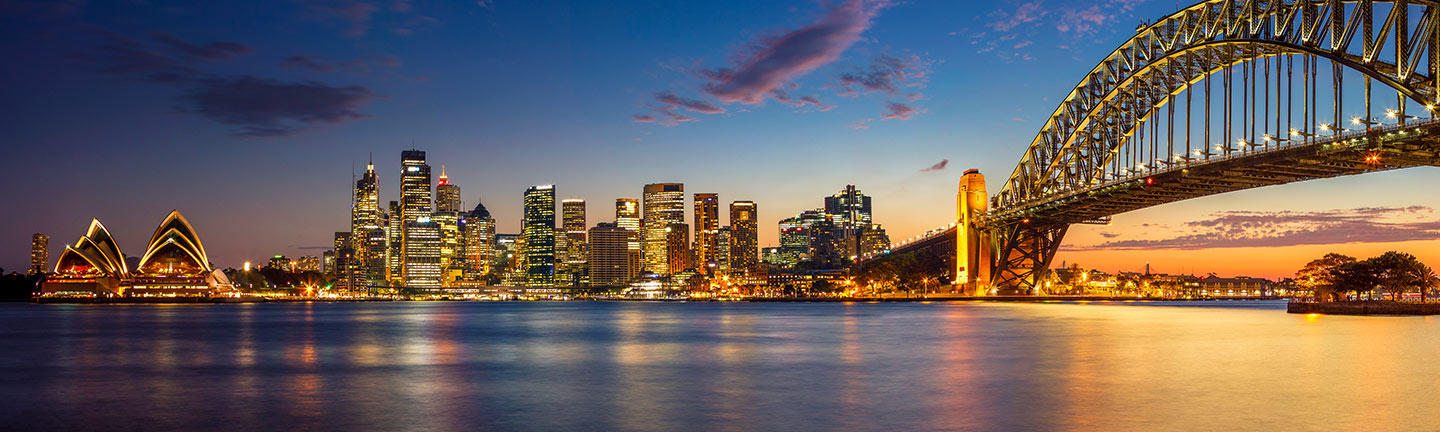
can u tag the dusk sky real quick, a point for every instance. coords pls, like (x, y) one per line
(250, 118)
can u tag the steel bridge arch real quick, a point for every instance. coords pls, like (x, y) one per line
(1067, 145)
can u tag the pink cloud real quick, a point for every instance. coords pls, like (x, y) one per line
(697, 105)
(1025, 13)
(897, 110)
(938, 166)
(774, 61)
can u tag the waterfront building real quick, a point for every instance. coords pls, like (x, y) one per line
(510, 259)
(609, 255)
(573, 259)
(308, 263)
(174, 265)
(282, 263)
(39, 253)
(394, 236)
(873, 240)
(795, 238)
(627, 216)
(538, 231)
(771, 256)
(707, 221)
(722, 250)
(480, 240)
(349, 274)
(451, 245)
(664, 205)
(677, 245)
(415, 203)
(422, 266)
(744, 236)
(447, 196)
(367, 227)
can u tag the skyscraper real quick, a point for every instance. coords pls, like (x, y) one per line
(39, 253)
(848, 208)
(627, 217)
(349, 275)
(415, 197)
(394, 234)
(573, 220)
(538, 231)
(451, 245)
(707, 221)
(609, 255)
(447, 196)
(367, 228)
(677, 247)
(479, 240)
(664, 205)
(422, 253)
(722, 250)
(744, 236)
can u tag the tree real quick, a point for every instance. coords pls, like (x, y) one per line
(1318, 275)
(1397, 272)
(1358, 276)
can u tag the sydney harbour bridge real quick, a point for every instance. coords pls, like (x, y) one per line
(1224, 95)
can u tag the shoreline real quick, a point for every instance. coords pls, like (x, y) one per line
(1364, 308)
(1001, 299)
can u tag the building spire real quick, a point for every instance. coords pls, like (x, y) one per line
(444, 180)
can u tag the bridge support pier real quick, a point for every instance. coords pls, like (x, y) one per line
(973, 253)
(1023, 252)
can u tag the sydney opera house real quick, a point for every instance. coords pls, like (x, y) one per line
(174, 265)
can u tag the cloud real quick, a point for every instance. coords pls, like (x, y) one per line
(697, 105)
(783, 97)
(268, 108)
(1232, 229)
(886, 74)
(354, 14)
(938, 166)
(771, 62)
(644, 119)
(1005, 21)
(861, 124)
(901, 111)
(260, 107)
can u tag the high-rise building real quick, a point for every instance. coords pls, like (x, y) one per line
(873, 241)
(282, 263)
(538, 231)
(447, 196)
(349, 274)
(367, 227)
(609, 255)
(848, 209)
(677, 246)
(327, 262)
(744, 236)
(415, 199)
(796, 239)
(452, 257)
(664, 205)
(394, 235)
(422, 254)
(707, 221)
(479, 240)
(39, 253)
(722, 250)
(573, 222)
(627, 217)
(309, 263)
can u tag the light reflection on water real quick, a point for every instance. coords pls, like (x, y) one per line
(714, 366)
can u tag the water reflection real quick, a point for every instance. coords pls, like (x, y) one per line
(713, 366)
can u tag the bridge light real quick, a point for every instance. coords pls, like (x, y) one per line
(1390, 113)
(1325, 126)
(1149, 181)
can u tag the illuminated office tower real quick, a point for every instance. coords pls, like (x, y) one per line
(308, 263)
(367, 228)
(415, 197)
(348, 273)
(422, 254)
(609, 255)
(677, 247)
(744, 236)
(627, 217)
(849, 210)
(282, 263)
(707, 221)
(795, 237)
(664, 205)
(479, 240)
(39, 253)
(447, 196)
(873, 241)
(572, 212)
(722, 250)
(538, 232)
(451, 244)
(394, 232)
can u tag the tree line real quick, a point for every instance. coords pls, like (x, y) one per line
(1337, 277)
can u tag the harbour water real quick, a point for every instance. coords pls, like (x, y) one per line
(714, 366)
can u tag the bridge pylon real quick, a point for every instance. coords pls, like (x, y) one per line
(1023, 251)
(973, 249)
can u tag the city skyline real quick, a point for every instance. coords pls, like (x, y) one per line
(261, 191)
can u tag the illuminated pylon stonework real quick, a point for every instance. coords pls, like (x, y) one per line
(972, 242)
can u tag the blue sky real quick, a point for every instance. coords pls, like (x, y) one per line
(250, 117)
